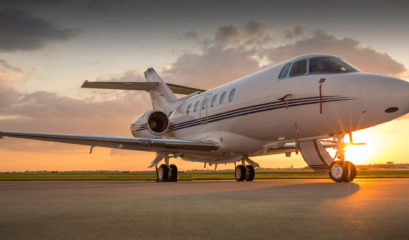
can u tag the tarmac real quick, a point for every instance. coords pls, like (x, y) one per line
(263, 209)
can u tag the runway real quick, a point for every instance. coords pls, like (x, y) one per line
(273, 209)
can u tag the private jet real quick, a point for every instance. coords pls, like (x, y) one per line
(304, 105)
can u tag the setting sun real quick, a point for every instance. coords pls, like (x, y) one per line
(363, 154)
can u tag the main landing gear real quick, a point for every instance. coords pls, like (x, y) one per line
(167, 174)
(244, 173)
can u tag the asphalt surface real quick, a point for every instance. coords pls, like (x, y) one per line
(275, 209)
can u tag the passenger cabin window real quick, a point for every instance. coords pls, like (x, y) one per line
(204, 104)
(196, 106)
(213, 100)
(188, 108)
(222, 97)
(284, 71)
(298, 68)
(329, 65)
(231, 95)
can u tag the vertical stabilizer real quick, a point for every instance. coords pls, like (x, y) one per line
(161, 95)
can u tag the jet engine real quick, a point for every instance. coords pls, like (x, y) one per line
(152, 124)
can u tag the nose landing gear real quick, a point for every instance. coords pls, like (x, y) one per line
(341, 170)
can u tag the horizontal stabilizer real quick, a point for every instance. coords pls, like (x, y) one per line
(144, 86)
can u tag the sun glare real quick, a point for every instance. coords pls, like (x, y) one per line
(362, 154)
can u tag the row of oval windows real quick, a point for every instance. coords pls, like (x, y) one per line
(212, 102)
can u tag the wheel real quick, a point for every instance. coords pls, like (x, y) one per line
(338, 171)
(173, 173)
(163, 172)
(250, 173)
(351, 171)
(240, 173)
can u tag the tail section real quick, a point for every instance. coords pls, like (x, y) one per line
(161, 95)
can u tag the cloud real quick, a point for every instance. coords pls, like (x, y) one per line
(189, 35)
(365, 58)
(256, 32)
(220, 63)
(48, 112)
(254, 42)
(19, 30)
(231, 54)
(9, 74)
(293, 32)
(105, 112)
(6, 65)
(214, 66)
(253, 32)
(226, 34)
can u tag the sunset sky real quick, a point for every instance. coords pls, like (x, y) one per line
(49, 47)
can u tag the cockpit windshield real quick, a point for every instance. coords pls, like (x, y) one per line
(329, 65)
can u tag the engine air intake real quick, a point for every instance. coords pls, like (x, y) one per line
(158, 122)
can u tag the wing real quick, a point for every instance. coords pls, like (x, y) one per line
(145, 86)
(141, 144)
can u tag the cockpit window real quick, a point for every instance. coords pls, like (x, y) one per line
(298, 68)
(329, 65)
(284, 71)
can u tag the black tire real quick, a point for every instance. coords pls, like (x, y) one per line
(351, 171)
(173, 173)
(250, 173)
(338, 171)
(163, 172)
(240, 173)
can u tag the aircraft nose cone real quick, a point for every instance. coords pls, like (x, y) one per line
(395, 100)
(383, 98)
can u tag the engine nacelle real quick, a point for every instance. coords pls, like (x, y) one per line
(152, 124)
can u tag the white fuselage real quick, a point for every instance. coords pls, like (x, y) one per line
(257, 114)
